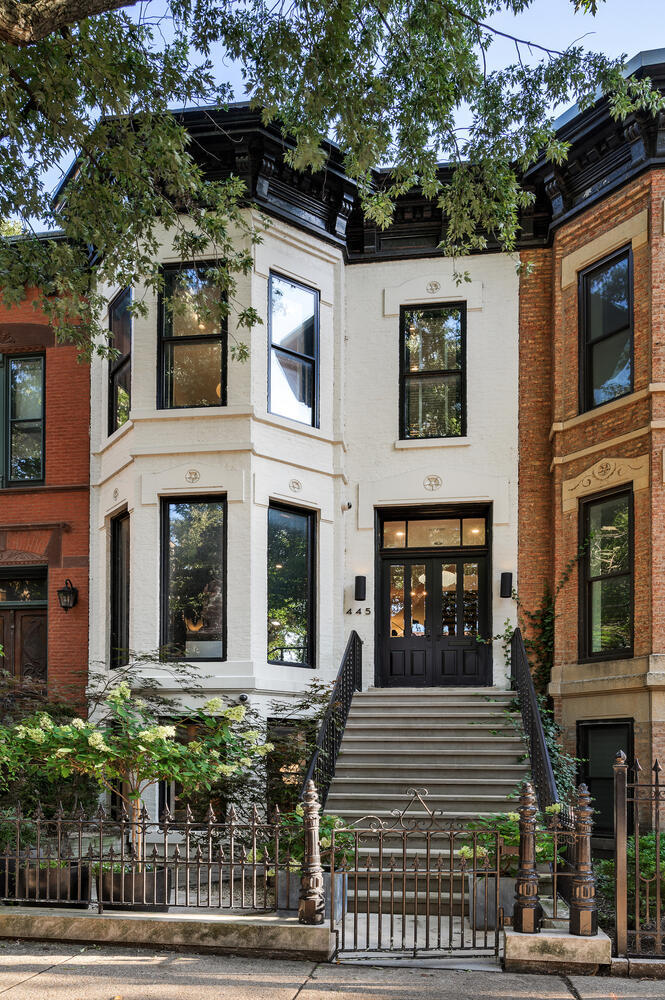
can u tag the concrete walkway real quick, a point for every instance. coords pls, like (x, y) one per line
(66, 972)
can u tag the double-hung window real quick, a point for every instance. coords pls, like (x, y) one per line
(120, 366)
(432, 370)
(606, 330)
(291, 585)
(607, 576)
(194, 578)
(192, 341)
(294, 351)
(22, 403)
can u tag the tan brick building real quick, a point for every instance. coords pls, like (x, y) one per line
(592, 434)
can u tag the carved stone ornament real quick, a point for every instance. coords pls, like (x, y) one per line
(192, 476)
(116, 493)
(432, 483)
(433, 287)
(295, 485)
(604, 473)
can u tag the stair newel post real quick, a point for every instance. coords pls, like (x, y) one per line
(312, 902)
(527, 911)
(583, 909)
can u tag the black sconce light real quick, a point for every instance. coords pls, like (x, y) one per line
(506, 585)
(68, 596)
(360, 590)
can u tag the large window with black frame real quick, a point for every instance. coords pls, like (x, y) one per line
(291, 586)
(294, 350)
(192, 338)
(22, 389)
(194, 577)
(606, 330)
(120, 550)
(120, 365)
(432, 371)
(607, 576)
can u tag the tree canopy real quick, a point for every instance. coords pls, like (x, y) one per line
(403, 83)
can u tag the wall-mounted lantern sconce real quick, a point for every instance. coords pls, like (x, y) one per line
(68, 596)
(506, 585)
(360, 589)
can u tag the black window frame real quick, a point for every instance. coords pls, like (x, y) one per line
(582, 746)
(407, 375)
(118, 365)
(163, 340)
(312, 578)
(117, 648)
(313, 359)
(164, 576)
(585, 579)
(6, 360)
(586, 402)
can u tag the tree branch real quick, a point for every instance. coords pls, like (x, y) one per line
(25, 23)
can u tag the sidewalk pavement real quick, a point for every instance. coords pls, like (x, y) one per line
(66, 972)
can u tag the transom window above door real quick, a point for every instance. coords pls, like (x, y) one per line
(438, 532)
(432, 370)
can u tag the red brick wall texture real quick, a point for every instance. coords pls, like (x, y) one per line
(60, 507)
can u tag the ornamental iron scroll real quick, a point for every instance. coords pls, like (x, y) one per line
(399, 819)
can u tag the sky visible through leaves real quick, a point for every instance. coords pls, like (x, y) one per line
(620, 26)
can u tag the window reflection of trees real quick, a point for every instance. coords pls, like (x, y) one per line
(289, 586)
(196, 576)
(433, 372)
(609, 575)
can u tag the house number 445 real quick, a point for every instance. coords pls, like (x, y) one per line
(360, 611)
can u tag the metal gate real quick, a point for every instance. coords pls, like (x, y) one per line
(417, 884)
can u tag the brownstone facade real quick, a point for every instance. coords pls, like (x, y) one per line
(44, 526)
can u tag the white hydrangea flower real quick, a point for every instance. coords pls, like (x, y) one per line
(213, 705)
(78, 723)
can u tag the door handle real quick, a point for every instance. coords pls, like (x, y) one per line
(428, 634)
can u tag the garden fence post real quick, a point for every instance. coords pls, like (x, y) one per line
(527, 911)
(312, 902)
(620, 852)
(583, 909)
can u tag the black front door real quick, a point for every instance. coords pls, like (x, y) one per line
(434, 609)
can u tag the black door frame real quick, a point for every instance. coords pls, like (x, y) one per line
(418, 511)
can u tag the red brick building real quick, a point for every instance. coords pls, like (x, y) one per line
(592, 434)
(44, 501)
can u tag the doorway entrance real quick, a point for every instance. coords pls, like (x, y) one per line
(23, 633)
(434, 596)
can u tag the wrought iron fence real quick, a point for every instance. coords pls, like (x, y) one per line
(421, 883)
(349, 679)
(639, 859)
(136, 862)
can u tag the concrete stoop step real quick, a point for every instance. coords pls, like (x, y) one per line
(461, 744)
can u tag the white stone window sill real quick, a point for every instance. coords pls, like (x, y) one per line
(458, 442)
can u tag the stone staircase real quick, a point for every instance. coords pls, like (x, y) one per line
(455, 742)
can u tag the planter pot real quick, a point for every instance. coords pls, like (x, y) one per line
(148, 892)
(68, 886)
(483, 887)
(288, 892)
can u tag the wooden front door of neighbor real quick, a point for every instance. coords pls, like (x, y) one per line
(23, 641)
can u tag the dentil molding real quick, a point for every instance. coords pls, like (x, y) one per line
(603, 474)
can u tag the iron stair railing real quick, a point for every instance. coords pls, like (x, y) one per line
(542, 774)
(349, 679)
